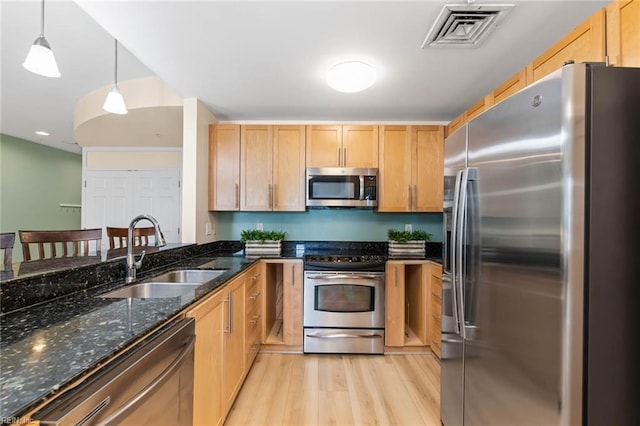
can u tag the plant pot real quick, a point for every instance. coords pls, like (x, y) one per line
(263, 247)
(416, 247)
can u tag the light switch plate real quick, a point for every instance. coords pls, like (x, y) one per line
(260, 226)
(408, 227)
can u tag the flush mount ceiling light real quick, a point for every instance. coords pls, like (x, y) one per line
(115, 101)
(351, 77)
(40, 59)
(42, 133)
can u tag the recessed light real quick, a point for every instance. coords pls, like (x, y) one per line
(42, 133)
(351, 77)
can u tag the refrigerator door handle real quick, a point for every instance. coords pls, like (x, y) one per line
(454, 255)
(458, 283)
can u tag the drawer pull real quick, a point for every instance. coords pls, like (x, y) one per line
(254, 296)
(255, 319)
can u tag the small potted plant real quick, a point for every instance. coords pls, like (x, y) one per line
(262, 242)
(407, 242)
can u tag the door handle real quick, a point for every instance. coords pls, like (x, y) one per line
(454, 253)
(237, 196)
(409, 197)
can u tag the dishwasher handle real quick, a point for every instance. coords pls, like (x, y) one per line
(158, 381)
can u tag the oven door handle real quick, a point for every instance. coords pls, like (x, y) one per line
(345, 277)
(344, 335)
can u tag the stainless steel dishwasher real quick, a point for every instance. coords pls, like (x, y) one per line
(153, 385)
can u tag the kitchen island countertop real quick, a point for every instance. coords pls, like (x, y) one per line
(50, 345)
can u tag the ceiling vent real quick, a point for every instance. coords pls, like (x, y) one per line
(465, 25)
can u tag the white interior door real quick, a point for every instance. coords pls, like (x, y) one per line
(114, 197)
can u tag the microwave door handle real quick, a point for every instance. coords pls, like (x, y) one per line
(361, 187)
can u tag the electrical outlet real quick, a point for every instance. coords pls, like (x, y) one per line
(207, 228)
(260, 226)
(408, 227)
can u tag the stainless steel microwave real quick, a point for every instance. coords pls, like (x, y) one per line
(342, 187)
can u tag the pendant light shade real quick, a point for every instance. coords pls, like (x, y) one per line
(115, 101)
(40, 59)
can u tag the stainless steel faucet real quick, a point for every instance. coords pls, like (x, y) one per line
(132, 264)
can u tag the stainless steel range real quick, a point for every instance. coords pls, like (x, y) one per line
(344, 304)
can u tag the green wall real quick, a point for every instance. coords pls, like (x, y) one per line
(34, 181)
(329, 224)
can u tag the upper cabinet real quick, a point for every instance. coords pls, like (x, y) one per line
(609, 34)
(623, 36)
(586, 43)
(342, 146)
(411, 168)
(224, 167)
(272, 163)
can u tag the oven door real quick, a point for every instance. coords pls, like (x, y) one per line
(344, 299)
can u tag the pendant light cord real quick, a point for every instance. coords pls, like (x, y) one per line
(116, 65)
(42, 20)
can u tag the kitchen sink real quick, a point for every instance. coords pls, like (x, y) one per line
(198, 276)
(152, 290)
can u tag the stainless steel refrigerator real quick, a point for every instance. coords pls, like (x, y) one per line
(540, 283)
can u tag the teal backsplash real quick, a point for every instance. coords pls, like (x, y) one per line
(329, 224)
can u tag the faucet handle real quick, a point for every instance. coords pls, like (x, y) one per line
(138, 263)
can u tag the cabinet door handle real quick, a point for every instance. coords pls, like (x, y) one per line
(344, 158)
(415, 197)
(395, 274)
(339, 156)
(274, 199)
(237, 196)
(230, 313)
(270, 196)
(409, 198)
(293, 274)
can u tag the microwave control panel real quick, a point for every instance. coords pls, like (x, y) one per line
(370, 188)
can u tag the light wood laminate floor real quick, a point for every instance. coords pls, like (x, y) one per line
(295, 389)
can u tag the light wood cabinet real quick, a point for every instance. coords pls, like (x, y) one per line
(411, 168)
(224, 167)
(282, 303)
(342, 146)
(253, 314)
(623, 33)
(207, 387)
(220, 362)
(586, 43)
(435, 314)
(272, 166)
(407, 301)
(233, 359)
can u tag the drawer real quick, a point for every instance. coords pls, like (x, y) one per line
(252, 346)
(253, 320)
(253, 297)
(436, 285)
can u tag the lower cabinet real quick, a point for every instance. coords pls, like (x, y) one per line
(226, 344)
(282, 303)
(435, 316)
(210, 319)
(412, 318)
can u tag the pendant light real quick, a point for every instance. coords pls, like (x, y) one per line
(115, 101)
(40, 59)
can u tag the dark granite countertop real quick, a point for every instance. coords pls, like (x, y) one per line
(48, 345)
(59, 330)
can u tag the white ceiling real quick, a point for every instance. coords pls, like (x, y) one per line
(266, 60)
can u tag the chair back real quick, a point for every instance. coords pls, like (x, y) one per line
(7, 239)
(119, 235)
(69, 243)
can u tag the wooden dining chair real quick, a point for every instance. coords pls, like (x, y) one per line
(7, 239)
(70, 243)
(119, 235)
